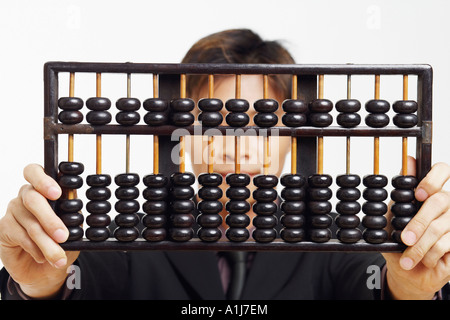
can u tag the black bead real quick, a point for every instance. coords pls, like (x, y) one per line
(237, 234)
(98, 207)
(181, 234)
(71, 168)
(348, 207)
(210, 207)
(182, 192)
(348, 194)
(377, 120)
(348, 105)
(237, 193)
(98, 220)
(69, 205)
(293, 221)
(293, 180)
(210, 179)
(348, 120)
(182, 206)
(98, 118)
(265, 120)
(237, 179)
(210, 119)
(237, 206)
(182, 119)
(127, 220)
(128, 104)
(405, 120)
(294, 119)
(374, 222)
(348, 180)
(237, 119)
(156, 118)
(182, 178)
(321, 221)
(98, 104)
(374, 208)
(70, 117)
(399, 195)
(294, 106)
(98, 180)
(405, 106)
(320, 106)
(209, 234)
(319, 235)
(155, 207)
(211, 105)
(375, 181)
(403, 209)
(70, 103)
(155, 180)
(265, 181)
(293, 207)
(156, 105)
(320, 180)
(126, 234)
(264, 235)
(265, 221)
(265, 208)
(375, 236)
(98, 193)
(72, 219)
(237, 220)
(319, 207)
(154, 220)
(292, 235)
(237, 105)
(97, 234)
(127, 193)
(377, 106)
(404, 182)
(375, 194)
(349, 235)
(127, 179)
(266, 105)
(154, 235)
(210, 193)
(320, 119)
(183, 105)
(181, 220)
(127, 206)
(70, 182)
(319, 194)
(128, 118)
(75, 233)
(347, 221)
(293, 194)
(155, 194)
(399, 223)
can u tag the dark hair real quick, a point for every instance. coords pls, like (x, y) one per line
(238, 46)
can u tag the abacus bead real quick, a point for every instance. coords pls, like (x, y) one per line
(375, 194)
(374, 222)
(182, 220)
(156, 118)
(97, 233)
(377, 106)
(70, 103)
(182, 206)
(405, 195)
(237, 179)
(348, 207)
(126, 234)
(70, 182)
(293, 194)
(155, 194)
(266, 105)
(237, 105)
(98, 220)
(265, 221)
(265, 181)
(237, 119)
(210, 206)
(320, 235)
(210, 119)
(210, 193)
(127, 206)
(71, 168)
(238, 220)
(209, 220)
(405, 120)
(347, 221)
(182, 119)
(98, 104)
(237, 206)
(98, 207)
(155, 207)
(320, 180)
(377, 120)
(238, 193)
(294, 119)
(265, 119)
(375, 236)
(156, 105)
(294, 106)
(320, 119)
(181, 234)
(348, 105)
(126, 179)
(293, 221)
(400, 223)
(98, 193)
(154, 220)
(69, 205)
(155, 180)
(321, 194)
(98, 117)
(98, 180)
(321, 221)
(293, 207)
(154, 235)
(128, 118)
(293, 180)
(70, 117)
(375, 181)
(237, 234)
(127, 220)
(321, 106)
(210, 179)
(348, 180)
(264, 235)
(374, 208)
(265, 208)
(75, 233)
(182, 105)
(319, 207)
(404, 182)
(182, 178)
(349, 235)
(348, 194)
(182, 192)
(405, 106)
(403, 209)
(72, 219)
(348, 120)
(209, 234)
(292, 235)
(128, 104)
(210, 105)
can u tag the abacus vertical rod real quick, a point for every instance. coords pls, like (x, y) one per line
(70, 144)
(294, 139)
(349, 94)
(320, 139)
(182, 142)
(127, 147)
(376, 144)
(405, 139)
(98, 162)
(237, 139)
(210, 138)
(155, 137)
(266, 138)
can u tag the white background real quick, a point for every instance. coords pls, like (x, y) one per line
(358, 31)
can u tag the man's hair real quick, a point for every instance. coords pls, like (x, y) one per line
(238, 46)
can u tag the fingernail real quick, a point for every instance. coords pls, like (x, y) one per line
(421, 194)
(60, 235)
(409, 238)
(406, 263)
(53, 192)
(60, 263)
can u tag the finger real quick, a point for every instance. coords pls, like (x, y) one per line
(433, 181)
(38, 206)
(52, 252)
(432, 235)
(43, 183)
(439, 249)
(435, 205)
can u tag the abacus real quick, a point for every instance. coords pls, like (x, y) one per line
(167, 221)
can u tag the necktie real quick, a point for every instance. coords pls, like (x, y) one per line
(238, 265)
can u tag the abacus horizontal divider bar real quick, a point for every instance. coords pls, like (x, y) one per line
(333, 245)
(222, 68)
(226, 130)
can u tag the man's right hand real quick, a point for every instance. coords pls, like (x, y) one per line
(29, 235)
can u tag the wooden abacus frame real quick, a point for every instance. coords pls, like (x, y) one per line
(169, 86)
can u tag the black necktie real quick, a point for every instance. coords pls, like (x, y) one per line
(238, 265)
